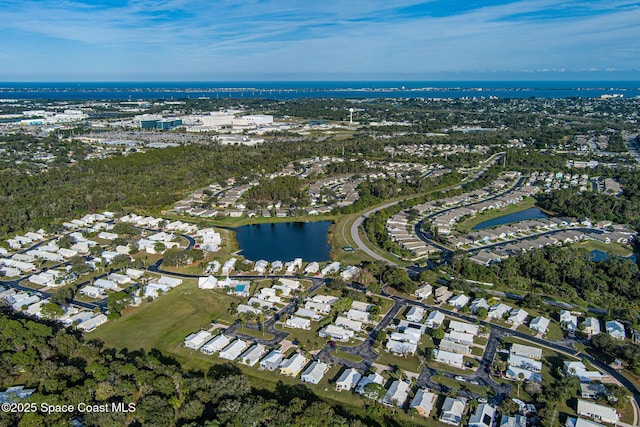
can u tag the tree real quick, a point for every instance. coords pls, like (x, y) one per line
(117, 302)
(159, 247)
(437, 334)
(51, 311)
(65, 241)
(482, 313)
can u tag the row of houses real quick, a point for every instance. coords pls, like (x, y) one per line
(31, 305)
(398, 229)
(347, 324)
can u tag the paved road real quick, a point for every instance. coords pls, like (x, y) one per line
(356, 237)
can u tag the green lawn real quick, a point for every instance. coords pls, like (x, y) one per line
(346, 356)
(164, 323)
(611, 248)
(451, 383)
(409, 363)
(309, 340)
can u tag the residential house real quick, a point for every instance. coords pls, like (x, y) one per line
(197, 339)
(449, 358)
(479, 303)
(350, 272)
(498, 311)
(303, 312)
(581, 422)
(253, 354)
(360, 316)
(458, 301)
(526, 351)
(92, 291)
(415, 314)
(369, 379)
(540, 324)
(579, 370)
(298, 323)
(483, 417)
(434, 319)
(591, 326)
(517, 316)
(597, 412)
(442, 294)
(90, 324)
(348, 324)
(524, 363)
(423, 402)
(216, 344)
(336, 332)
(272, 361)
(615, 329)
(516, 373)
(467, 328)
(513, 421)
(424, 291)
(348, 379)
(233, 350)
(453, 410)
(592, 390)
(314, 372)
(397, 394)
(568, 321)
(293, 365)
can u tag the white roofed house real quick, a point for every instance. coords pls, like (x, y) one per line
(298, 323)
(449, 358)
(423, 402)
(597, 412)
(272, 361)
(372, 378)
(514, 421)
(197, 339)
(483, 417)
(568, 321)
(517, 316)
(498, 311)
(353, 325)
(92, 291)
(105, 284)
(92, 323)
(318, 307)
(478, 303)
(216, 344)
(540, 324)
(415, 314)
(615, 329)
(424, 291)
(336, 332)
(350, 272)
(233, 350)
(333, 267)
(312, 268)
(314, 372)
(348, 379)
(360, 316)
(261, 266)
(526, 351)
(580, 422)
(293, 365)
(458, 301)
(397, 394)
(524, 363)
(467, 328)
(434, 319)
(207, 282)
(453, 410)
(591, 326)
(172, 282)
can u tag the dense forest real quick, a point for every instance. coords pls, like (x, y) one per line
(65, 370)
(567, 273)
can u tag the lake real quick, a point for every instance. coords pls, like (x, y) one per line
(285, 241)
(596, 255)
(531, 213)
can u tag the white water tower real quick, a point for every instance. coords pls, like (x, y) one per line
(351, 110)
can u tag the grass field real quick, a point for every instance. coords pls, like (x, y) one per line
(164, 323)
(612, 248)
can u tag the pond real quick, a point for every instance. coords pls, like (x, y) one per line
(531, 213)
(285, 241)
(596, 255)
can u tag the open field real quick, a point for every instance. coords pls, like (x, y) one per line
(165, 322)
(612, 248)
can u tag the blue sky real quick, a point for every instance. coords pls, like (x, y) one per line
(171, 40)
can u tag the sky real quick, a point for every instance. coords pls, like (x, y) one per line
(300, 40)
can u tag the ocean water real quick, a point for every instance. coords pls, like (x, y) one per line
(293, 90)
